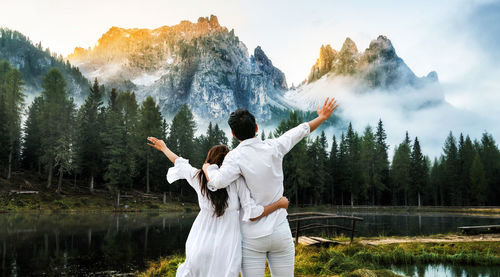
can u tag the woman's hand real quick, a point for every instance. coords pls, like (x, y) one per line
(160, 145)
(157, 143)
(283, 202)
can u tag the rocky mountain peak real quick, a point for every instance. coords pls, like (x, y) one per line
(377, 67)
(201, 64)
(349, 47)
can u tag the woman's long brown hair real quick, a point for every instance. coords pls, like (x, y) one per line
(218, 198)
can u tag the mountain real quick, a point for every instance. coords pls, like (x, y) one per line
(33, 62)
(378, 67)
(202, 64)
(351, 75)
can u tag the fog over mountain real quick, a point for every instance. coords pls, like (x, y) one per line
(377, 84)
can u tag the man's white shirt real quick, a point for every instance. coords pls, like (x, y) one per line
(260, 162)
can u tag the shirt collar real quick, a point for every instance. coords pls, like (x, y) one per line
(250, 141)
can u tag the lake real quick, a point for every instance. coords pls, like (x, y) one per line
(105, 244)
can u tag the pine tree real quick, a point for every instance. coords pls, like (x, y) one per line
(56, 112)
(332, 168)
(4, 138)
(381, 166)
(490, 158)
(478, 181)
(115, 147)
(418, 174)
(89, 145)
(234, 142)
(466, 155)
(13, 105)
(341, 175)
(181, 139)
(451, 167)
(353, 170)
(400, 172)
(127, 104)
(296, 171)
(367, 163)
(32, 150)
(263, 135)
(150, 125)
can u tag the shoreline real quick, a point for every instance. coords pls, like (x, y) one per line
(373, 256)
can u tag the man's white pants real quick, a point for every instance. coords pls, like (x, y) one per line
(278, 248)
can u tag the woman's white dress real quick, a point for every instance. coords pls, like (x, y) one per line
(213, 246)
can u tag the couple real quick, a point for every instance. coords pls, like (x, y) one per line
(242, 220)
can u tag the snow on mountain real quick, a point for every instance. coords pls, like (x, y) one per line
(202, 64)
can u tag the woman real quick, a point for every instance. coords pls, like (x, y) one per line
(213, 246)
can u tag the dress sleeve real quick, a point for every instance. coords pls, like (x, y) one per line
(183, 170)
(249, 207)
(290, 138)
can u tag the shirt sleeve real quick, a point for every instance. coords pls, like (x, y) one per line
(183, 170)
(249, 207)
(225, 175)
(291, 137)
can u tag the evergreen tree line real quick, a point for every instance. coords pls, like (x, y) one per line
(103, 144)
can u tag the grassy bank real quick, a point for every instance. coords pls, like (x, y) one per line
(360, 259)
(77, 197)
(53, 202)
(405, 209)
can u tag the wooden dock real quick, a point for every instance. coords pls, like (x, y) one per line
(479, 229)
(315, 241)
(299, 219)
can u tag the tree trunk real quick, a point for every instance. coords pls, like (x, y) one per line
(39, 163)
(59, 183)
(49, 179)
(333, 195)
(419, 199)
(74, 183)
(117, 205)
(9, 172)
(164, 198)
(352, 199)
(373, 195)
(92, 183)
(297, 196)
(147, 174)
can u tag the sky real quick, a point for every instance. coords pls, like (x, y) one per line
(458, 39)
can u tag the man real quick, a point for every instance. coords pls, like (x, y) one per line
(260, 163)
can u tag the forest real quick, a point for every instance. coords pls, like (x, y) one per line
(103, 144)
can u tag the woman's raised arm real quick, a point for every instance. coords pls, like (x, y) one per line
(160, 145)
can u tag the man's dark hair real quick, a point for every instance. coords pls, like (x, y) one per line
(242, 123)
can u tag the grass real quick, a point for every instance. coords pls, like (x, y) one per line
(76, 198)
(53, 202)
(367, 260)
(403, 209)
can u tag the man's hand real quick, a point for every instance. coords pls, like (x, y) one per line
(283, 202)
(205, 166)
(328, 107)
(323, 113)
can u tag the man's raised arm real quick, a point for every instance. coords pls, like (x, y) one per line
(323, 113)
(222, 177)
(291, 137)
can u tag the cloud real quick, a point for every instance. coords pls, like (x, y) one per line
(425, 112)
(483, 25)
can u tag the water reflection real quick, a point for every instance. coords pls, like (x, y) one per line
(78, 244)
(104, 244)
(440, 270)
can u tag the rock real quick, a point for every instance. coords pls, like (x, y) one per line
(201, 64)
